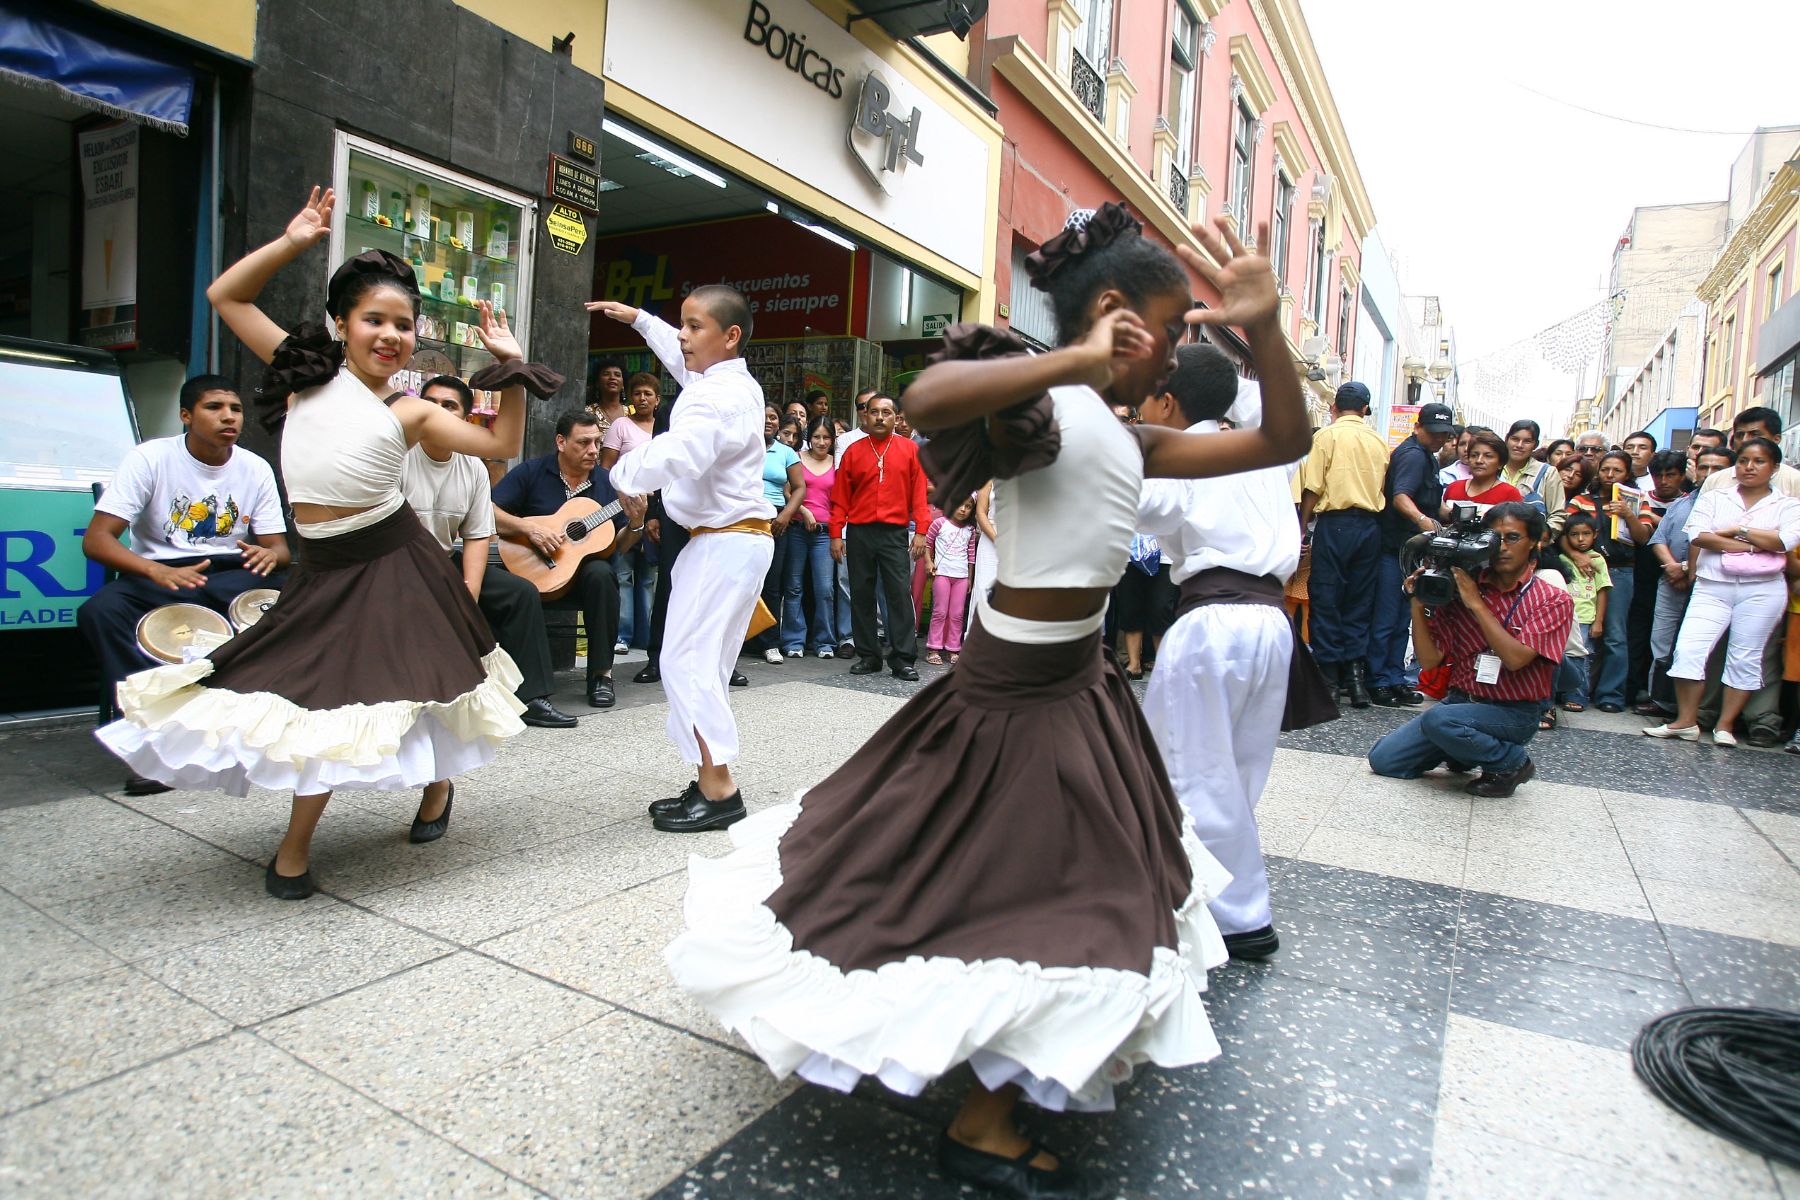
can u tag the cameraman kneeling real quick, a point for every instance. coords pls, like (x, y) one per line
(1504, 636)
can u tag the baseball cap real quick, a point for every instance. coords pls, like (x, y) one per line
(1352, 395)
(1436, 418)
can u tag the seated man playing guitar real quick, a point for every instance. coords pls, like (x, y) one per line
(542, 541)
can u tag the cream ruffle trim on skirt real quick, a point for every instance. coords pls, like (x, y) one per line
(191, 737)
(1066, 1035)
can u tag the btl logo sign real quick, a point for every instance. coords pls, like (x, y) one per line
(894, 138)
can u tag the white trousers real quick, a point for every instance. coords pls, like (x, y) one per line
(1749, 609)
(1214, 704)
(712, 591)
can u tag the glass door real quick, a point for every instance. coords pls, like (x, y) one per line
(467, 241)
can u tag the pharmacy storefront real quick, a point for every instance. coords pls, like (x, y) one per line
(847, 185)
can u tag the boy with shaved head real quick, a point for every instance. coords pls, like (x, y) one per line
(709, 467)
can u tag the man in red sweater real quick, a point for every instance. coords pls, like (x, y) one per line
(880, 487)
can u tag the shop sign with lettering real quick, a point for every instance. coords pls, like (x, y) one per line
(896, 140)
(574, 183)
(934, 324)
(583, 148)
(568, 232)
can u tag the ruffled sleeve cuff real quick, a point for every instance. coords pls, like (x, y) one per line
(1024, 437)
(308, 357)
(535, 378)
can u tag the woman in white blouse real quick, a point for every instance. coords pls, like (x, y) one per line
(1741, 537)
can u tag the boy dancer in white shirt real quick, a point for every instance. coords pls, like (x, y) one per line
(1216, 698)
(709, 468)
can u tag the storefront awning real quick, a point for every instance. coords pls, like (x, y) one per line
(96, 67)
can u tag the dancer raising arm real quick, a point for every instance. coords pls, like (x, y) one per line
(1002, 875)
(374, 669)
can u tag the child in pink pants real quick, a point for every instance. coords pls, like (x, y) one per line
(950, 555)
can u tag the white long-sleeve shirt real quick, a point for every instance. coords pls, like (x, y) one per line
(1246, 522)
(709, 464)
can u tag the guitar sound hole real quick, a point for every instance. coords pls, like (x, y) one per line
(575, 532)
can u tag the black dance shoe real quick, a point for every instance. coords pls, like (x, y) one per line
(739, 679)
(697, 813)
(866, 666)
(288, 887)
(652, 673)
(1498, 784)
(1253, 945)
(542, 714)
(600, 694)
(907, 672)
(143, 785)
(431, 831)
(1011, 1176)
(674, 804)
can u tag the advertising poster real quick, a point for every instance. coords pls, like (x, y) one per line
(1401, 419)
(108, 156)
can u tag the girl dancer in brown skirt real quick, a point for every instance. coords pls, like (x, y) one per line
(374, 669)
(1002, 875)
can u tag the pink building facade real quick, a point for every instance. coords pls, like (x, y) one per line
(1185, 109)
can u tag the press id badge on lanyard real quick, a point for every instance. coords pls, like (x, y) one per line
(1487, 666)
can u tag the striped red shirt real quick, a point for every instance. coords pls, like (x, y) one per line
(1541, 621)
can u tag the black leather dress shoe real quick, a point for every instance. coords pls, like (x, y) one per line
(674, 804)
(430, 831)
(288, 887)
(542, 714)
(739, 679)
(1496, 784)
(865, 666)
(1610, 707)
(1253, 945)
(650, 674)
(1011, 1176)
(1357, 685)
(143, 785)
(908, 672)
(1395, 697)
(697, 813)
(600, 694)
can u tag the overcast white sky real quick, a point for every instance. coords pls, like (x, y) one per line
(1507, 204)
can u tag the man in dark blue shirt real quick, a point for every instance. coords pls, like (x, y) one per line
(1414, 494)
(538, 487)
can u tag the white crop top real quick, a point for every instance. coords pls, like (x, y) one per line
(1069, 525)
(342, 446)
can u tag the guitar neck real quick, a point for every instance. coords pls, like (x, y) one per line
(595, 519)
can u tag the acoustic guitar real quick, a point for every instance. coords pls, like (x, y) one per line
(588, 531)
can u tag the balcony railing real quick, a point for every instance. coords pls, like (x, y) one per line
(1178, 189)
(1088, 85)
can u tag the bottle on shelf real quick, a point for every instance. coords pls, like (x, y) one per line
(463, 227)
(421, 210)
(397, 210)
(447, 287)
(497, 295)
(471, 289)
(371, 200)
(498, 245)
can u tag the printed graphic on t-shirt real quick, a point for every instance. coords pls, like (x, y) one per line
(196, 521)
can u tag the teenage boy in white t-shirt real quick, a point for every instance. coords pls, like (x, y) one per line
(205, 523)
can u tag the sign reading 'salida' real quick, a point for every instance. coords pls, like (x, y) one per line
(896, 139)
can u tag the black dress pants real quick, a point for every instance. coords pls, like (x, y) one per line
(674, 537)
(515, 612)
(596, 594)
(879, 556)
(109, 618)
(1638, 622)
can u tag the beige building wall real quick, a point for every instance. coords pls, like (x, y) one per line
(1669, 376)
(1671, 249)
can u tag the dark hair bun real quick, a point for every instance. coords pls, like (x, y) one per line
(1085, 232)
(371, 268)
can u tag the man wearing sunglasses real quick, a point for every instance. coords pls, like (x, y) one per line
(1504, 638)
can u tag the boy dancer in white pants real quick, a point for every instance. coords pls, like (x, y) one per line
(709, 468)
(1216, 698)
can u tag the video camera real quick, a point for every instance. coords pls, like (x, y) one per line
(1464, 543)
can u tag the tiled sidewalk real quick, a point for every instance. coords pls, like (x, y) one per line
(489, 1015)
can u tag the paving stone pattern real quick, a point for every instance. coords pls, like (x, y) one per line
(1449, 1015)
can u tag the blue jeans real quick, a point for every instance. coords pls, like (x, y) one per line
(808, 555)
(1346, 547)
(637, 594)
(1615, 665)
(1572, 672)
(1393, 622)
(1470, 733)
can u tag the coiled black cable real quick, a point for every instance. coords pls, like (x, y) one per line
(1734, 1071)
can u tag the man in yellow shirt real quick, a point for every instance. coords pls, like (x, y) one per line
(1342, 487)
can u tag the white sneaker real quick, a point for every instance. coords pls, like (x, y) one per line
(621, 648)
(1724, 737)
(1665, 730)
(796, 654)
(772, 657)
(827, 652)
